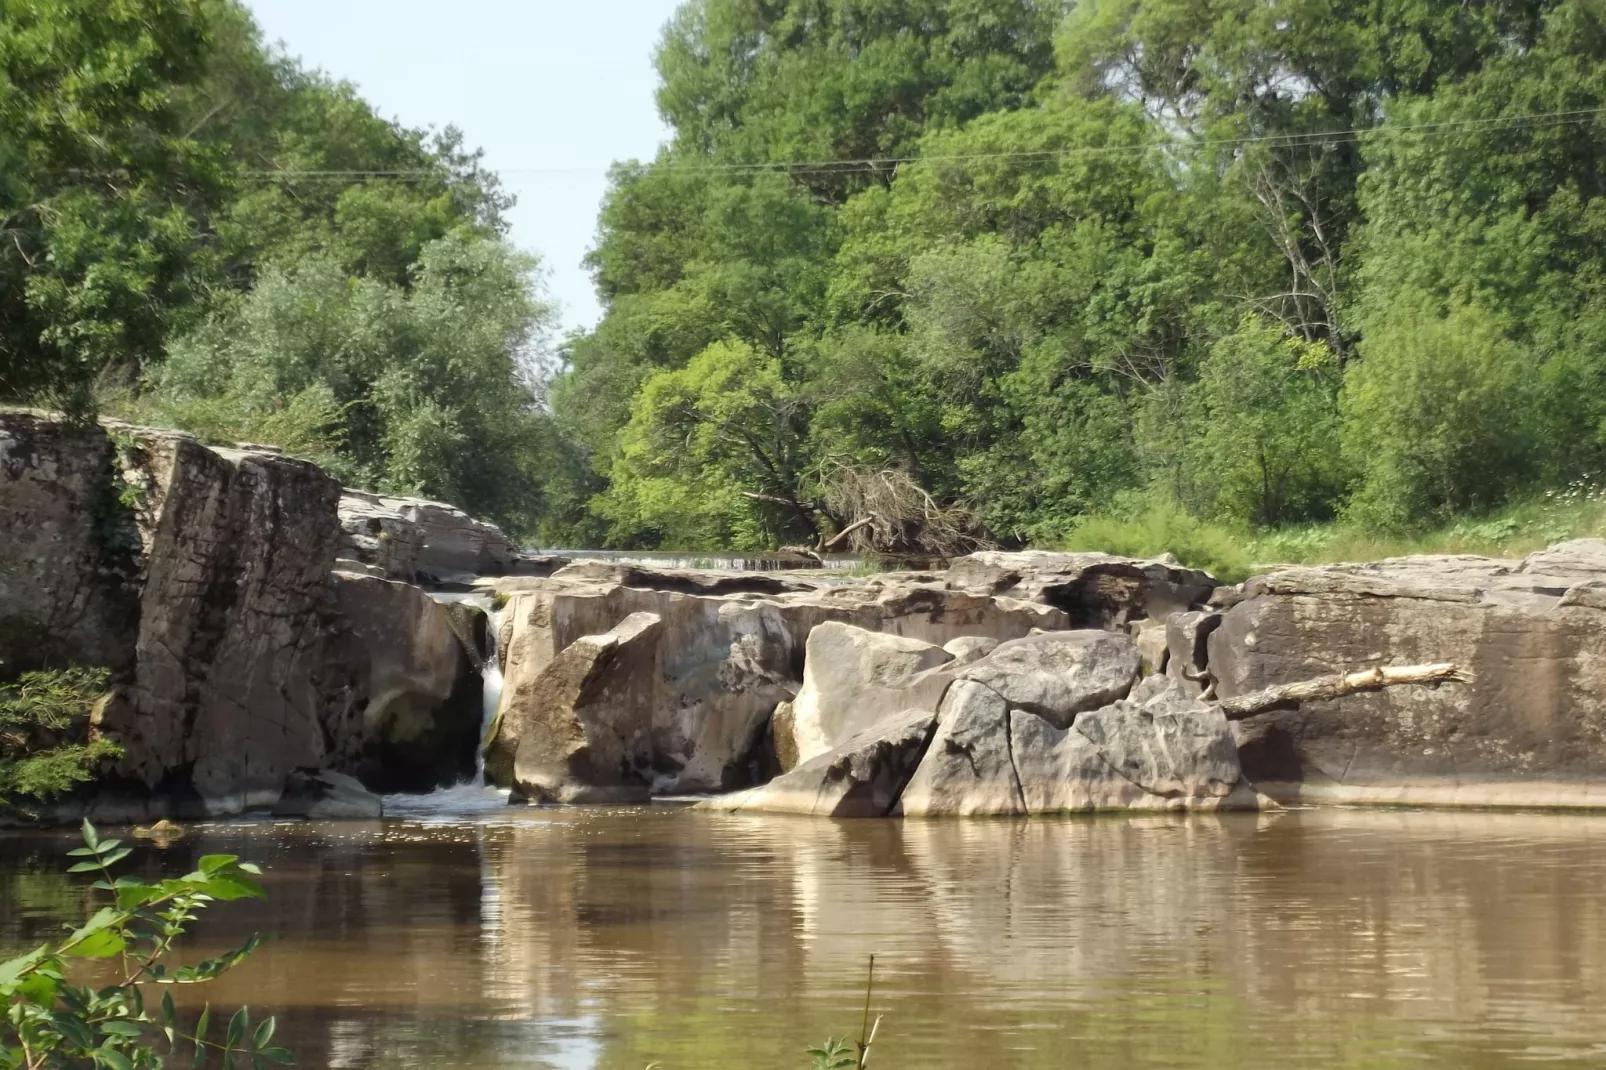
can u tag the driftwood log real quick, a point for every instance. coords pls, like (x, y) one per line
(1289, 696)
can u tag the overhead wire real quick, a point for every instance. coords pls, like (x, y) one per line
(1350, 135)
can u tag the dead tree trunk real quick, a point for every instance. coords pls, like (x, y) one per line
(1289, 696)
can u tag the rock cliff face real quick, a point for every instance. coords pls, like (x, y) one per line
(403, 693)
(1529, 731)
(202, 578)
(266, 629)
(68, 550)
(723, 662)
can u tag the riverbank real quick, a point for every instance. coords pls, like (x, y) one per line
(1234, 553)
(274, 640)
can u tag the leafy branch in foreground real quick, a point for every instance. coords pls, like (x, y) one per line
(51, 1022)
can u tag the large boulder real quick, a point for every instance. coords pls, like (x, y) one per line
(1166, 741)
(1057, 675)
(1094, 590)
(863, 777)
(419, 541)
(236, 546)
(1530, 730)
(1161, 748)
(726, 661)
(582, 730)
(967, 769)
(404, 689)
(854, 679)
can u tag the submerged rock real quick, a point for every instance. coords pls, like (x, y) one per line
(324, 795)
(862, 777)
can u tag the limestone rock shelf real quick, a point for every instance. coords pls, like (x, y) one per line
(264, 626)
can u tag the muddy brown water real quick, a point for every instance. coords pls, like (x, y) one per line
(611, 938)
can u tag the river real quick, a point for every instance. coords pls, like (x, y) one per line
(612, 938)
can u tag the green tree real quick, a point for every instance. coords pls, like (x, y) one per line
(103, 192)
(424, 390)
(1268, 452)
(713, 455)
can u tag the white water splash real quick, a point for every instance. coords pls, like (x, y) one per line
(473, 795)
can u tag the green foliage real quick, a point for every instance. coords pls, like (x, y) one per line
(996, 267)
(1155, 527)
(834, 1054)
(1439, 417)
(1263, 265)
(1268, 452)
(53, 1022)
(43, 749)
(102, 191)
(414, 390)
(696, 438)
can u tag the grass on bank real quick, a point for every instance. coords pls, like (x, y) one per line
(1234, 554)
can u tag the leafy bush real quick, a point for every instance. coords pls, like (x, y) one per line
(50, 1021)
(43, 716)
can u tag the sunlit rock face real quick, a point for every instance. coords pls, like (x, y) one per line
(1529, 730)
(853, 679)
(724, 661)
(420, 541)
(862, 777)
(201, 577)
(1094, 590)
(1051, 724)
(581, 731)
(402, 685)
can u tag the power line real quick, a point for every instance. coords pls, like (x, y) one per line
(1351, 135)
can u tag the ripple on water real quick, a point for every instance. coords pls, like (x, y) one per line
(464, 932)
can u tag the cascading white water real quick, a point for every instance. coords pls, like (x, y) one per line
(473, 795)
(491, 685)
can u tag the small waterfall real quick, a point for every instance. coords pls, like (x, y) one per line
(473, 795)
(491, 677)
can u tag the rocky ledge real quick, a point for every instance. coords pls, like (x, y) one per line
(276, 640)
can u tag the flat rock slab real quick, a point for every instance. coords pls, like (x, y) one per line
(1529, 730)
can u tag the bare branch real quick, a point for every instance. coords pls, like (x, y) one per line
(1289, 696)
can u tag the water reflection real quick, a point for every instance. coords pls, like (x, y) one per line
(612, 938)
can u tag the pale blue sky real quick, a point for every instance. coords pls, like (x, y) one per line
(539, 84)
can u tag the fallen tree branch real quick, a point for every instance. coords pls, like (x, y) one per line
(1289, 696)
(845, 532)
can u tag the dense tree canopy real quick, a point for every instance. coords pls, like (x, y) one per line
(1269, 263)
(199, 231)
(911, 274)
